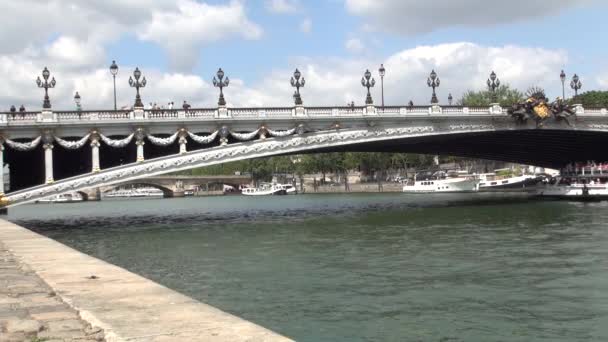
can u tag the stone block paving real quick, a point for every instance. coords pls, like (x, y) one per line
(31, 312)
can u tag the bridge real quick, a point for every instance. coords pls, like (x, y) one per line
(174, 186)
(51, 153)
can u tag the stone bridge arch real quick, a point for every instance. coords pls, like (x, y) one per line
(167, 192)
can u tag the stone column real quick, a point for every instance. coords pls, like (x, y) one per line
(140, 150)
(183, 140)
(48, 161)
(224, 132)
(139, 136)
(95, 152)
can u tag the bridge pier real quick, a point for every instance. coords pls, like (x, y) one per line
(95, 153)
(48, 162)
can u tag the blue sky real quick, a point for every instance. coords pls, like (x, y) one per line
(180, 44)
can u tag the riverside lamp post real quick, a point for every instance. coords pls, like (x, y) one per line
(368, 82)
(297, 81)
(46, 104)
(433, 82)
(562, 77)
(493, 84)
(450, 98)
(114, 71)
(137, 84)
(576, 84)
(220, 82)
(382, 72)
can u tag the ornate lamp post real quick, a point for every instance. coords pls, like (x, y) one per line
(576, 84)
(450, 98)
(382, 72)
(114, 71)
(562, 77)
(220, 82)
(433, 82)
(46, 85)
(297, 81)
(368, 82)
(137, 84)
(77, 101)
(493, 84)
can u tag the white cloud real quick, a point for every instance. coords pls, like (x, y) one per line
(415, 16)
(182, 31)
(78, 31)
(306, 25)
(354, 45)
(602, 79)
(282, 6)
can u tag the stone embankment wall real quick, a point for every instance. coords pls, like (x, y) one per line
(51, 290)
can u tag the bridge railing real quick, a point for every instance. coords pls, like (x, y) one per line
(210, 114)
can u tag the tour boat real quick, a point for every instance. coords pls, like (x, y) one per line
(574, 190)
(493, 182)
(134, 192)
(442, 182)
(65, 198)
(265, 190)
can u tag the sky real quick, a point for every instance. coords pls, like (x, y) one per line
(179, 45)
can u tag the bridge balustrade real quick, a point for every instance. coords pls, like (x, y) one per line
(200, 113)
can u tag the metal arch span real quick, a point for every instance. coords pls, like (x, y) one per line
(551, 146)
(216, 155)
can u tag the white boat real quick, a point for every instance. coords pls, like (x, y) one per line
(494, 182)
(289, 189)
(574, 191)
(65, 198)
(134, 192)
(265, 190)
(442, 182)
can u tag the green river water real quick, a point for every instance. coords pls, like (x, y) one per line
(369, 267)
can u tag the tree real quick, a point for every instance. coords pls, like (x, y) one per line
(505, 96)
(592, 99)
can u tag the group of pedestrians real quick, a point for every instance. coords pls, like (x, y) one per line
(170, 106)
(13, 110)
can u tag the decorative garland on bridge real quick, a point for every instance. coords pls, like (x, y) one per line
(203, 139)
(162, 141)
(23, 146)
(117, 143)
(72, 145)
(281, 133)
(245, 136)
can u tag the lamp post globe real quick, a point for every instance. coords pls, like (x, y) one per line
(562, 77)
(114, 71)
(382, 72)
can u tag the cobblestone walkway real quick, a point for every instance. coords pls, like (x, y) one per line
(31, 312)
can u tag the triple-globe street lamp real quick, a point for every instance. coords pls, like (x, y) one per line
(114, 71)
(297, 81)
(77, 101)
(220, 82)
(137, 84)
(46, 104)
(433, 82)
(576, 84)
(368, 82)
(493, 84)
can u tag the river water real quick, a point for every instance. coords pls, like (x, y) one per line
(370, 267)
